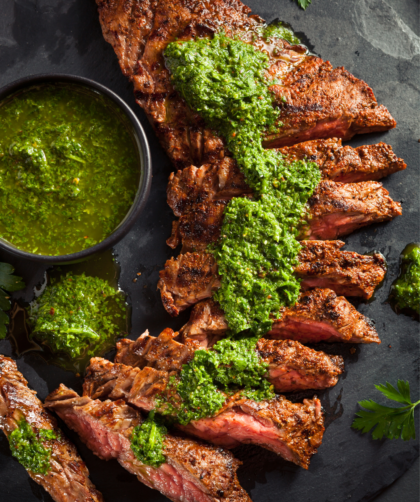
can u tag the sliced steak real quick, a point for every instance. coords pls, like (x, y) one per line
(193, 472)
(223, 180)
(293, 431)
(337, 209)
(188, 279)
(292, 366)
(318, 316)
(316, 100)
(68, 479)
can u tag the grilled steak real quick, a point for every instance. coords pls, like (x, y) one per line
(334, 209)
(223, 180)
(318, 316)
(188, 279)
(293, 431)
(193, 472)
(292, 366)
(68, 479)
(316, 100)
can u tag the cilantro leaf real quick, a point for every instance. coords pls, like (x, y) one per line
(387, 421)
(8, 282)
(303, 3)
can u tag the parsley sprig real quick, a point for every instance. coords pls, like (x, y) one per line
(8, 282)
(303, 3)
(385, 420)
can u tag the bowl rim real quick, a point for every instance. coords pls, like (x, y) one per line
(145, 181)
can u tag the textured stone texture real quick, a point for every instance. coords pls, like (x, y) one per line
(44, 36)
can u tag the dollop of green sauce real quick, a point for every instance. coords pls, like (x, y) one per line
(30, 447)
(77, 317)
(225, 81)
(406, 289)
(212, 376)
(68, 170)
(146, 441)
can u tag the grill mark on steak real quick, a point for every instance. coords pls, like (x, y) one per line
(68, 478)
(334, 210)
(193, 471)
(321, 102)
(293, 431)
(318, 316)
(223, 180)
(292, 366)
(192, 277)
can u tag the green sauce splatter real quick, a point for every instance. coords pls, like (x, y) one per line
(68, 170)
(29, 449)
(77, 317)
(405, 292)
(203, 385)
(147, 441)
(279, 29)
(224, 80)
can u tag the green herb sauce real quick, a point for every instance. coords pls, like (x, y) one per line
(405, 292)
(28, 446)
(77, 317)
(68, 170)
(147, 441)
(232, 366)
(224, 80)
(279, 29)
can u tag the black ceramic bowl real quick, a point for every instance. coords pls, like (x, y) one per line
(145, 166)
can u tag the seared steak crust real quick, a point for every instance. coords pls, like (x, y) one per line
(188, 279)
(292, 366)
(193, 472)
(321, 102)
(322, 264)
(68, 479)
(293, 431)
(222, 180)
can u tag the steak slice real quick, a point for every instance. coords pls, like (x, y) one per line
(318, 316)
(293, 431)
(68, 478)
(223, 180)
(292, 366)
(188, 279)
(316, 100)
(334, 209)
(193, 472)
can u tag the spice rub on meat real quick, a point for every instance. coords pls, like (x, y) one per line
(193, 471)
(319, 315)
(223, 180)
(334, 210)
(68, 477)
(316, 101)
(292, 366)
(184, 281)
(293, 431)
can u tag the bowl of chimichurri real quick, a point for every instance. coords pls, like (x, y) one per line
(75, 168)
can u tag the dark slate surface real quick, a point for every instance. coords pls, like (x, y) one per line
(377, 41)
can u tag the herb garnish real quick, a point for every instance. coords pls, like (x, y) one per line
(147, 441)
(27, 446)
(304, 3)
(205, 383)
(225, 81)
(386, 421)
(8, 282)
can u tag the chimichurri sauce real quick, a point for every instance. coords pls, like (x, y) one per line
(225, 81)
(68, 170)
(405, 292)
(77, 317)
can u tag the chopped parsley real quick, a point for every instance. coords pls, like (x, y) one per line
(225, 81)
(8, 282)
(203, 385)
(77, 316)
(147, 441)
(28, 447)
(405, 292)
